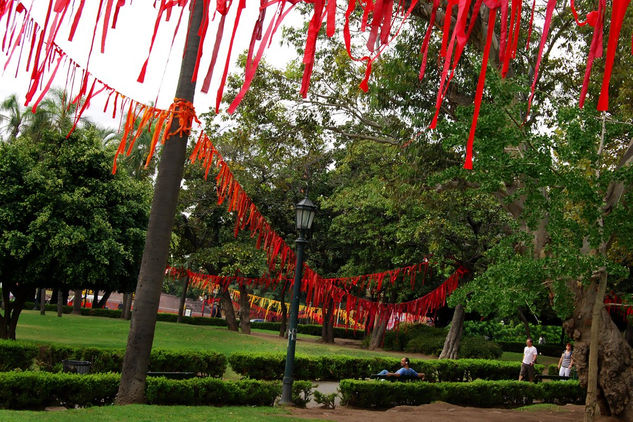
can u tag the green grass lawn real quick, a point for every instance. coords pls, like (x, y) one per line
(75, 330)
(144, 413)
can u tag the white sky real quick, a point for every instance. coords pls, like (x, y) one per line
(127, 48)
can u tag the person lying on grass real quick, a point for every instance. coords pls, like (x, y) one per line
(404, 371)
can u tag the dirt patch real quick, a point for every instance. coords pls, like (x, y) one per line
(440, 412)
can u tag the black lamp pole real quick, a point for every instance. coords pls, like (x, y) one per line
(305, 216)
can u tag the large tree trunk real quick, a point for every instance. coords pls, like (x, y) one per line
(229, 313)
(454, 336)
(327, 330)
(283, 326)
(615, 356)
(245, 311)
(42, 301)
(104, 299)
(378, 331)
(77, 303)
(60, 303)
(183, 298)
(161, 220)
(629, 331)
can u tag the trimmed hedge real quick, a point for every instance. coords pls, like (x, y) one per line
(271, 366)
(23, 356)
(375, 394)
(36, 390)
(543, 349)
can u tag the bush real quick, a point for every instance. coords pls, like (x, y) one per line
(326, 400)
(36, 390)
(271, 366)
(478, 348)
(49, 357)
(369, 394)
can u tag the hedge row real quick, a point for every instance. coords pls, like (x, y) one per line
(36, 390)
(271, 366)
(24, 356)
(375, 394)
(543, 349)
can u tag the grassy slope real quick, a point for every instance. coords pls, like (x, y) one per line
(143, 413)
(112, 333)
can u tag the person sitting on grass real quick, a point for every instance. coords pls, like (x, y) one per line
(405, 371)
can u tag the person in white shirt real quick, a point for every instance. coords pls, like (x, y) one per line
(565, 362)
(529, 359)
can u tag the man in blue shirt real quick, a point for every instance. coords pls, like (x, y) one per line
(405, 371)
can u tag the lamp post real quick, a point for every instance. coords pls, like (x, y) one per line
(305, 215)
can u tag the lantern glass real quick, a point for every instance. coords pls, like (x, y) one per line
(305, 214)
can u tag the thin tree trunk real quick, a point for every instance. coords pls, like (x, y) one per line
(183, 298)
(124, 301)
(229, 313)
(283, 326)
(378, 331)
(245, 311)
(42, 301)
(77, 303)
(60, 303)
(161, 220)
(95, 299)
(12, 309)
(454, 336)
(526, 323)
(128, 308)
(104, 299)
(327, 330)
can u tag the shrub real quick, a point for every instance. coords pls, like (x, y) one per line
(327, 400)
(36, 390)
(479, 393)
(271, 366)
(552, 369)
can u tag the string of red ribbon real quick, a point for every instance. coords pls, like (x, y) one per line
(43, 53)
(320, 291)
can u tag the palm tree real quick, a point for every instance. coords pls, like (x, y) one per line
(12, 117)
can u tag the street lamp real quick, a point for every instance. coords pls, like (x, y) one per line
(305, 216)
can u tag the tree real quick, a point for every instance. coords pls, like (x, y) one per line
(65, 220)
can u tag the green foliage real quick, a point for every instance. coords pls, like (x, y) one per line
(36, 390)
(373, 394)
(271, 366)
(49, 357)
(302, 392)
